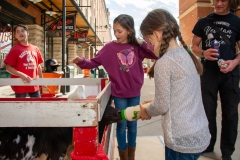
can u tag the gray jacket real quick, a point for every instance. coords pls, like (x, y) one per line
(178, 99)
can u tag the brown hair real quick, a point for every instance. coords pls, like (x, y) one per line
(233, 4)
(162, 20)
(127, 22)
(20, 25)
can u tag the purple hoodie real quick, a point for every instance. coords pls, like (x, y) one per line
(123, 63)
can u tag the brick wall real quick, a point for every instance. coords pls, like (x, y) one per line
(80, 52)
(36, 37)
(190, 13)
(57, 50)
(184, 5)
(72, 52)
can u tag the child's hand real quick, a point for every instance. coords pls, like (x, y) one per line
(76, 60)
(25, 78)
(147, 101)
(143, 112)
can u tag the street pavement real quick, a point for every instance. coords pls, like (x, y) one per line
(150, 141)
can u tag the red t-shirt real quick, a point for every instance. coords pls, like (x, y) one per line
(25, 59)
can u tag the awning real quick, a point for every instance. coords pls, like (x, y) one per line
(72, 7)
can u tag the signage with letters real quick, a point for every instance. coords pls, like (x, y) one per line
(5, 37)
(80, 36)
(57, 24)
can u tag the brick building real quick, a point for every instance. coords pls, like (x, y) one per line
(189, 12)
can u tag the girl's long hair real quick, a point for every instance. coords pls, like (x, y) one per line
(162, 20)
(127, 22)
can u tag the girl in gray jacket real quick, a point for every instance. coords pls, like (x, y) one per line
(177, 89)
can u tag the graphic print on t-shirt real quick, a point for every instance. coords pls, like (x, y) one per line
(29, 61)
(126, 59)
(212, 34)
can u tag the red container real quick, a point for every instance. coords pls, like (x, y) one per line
(47, 95)
(85, 141)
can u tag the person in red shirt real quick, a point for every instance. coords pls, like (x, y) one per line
(23, 61)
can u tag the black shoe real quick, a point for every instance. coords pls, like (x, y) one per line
(226, 158)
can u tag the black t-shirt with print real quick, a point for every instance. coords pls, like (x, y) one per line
(229, 24)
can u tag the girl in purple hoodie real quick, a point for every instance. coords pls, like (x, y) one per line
(122, 59)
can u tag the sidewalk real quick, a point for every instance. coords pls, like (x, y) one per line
(150, 148)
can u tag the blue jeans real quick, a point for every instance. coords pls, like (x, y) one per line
(173, 155)
(31, 94)
(123, 103)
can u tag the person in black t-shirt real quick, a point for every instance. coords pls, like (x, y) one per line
(216, 79)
